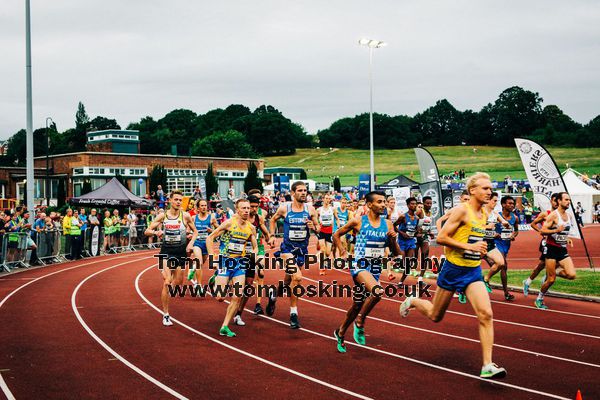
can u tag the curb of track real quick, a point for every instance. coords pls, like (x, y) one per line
(559, 295)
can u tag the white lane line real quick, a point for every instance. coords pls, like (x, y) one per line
(512, 323)
(457, 337)
(3, 384)
(255, 357)
(107, 347)
(505, 303)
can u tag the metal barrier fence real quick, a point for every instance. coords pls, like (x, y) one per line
(15, 250)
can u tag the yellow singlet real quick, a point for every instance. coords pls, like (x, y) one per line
(233, 243)
(471, 232)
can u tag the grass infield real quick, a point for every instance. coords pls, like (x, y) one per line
(324, 164)
(587, 282)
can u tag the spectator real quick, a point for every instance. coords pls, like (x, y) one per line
(579, 214)
(75, 233)
(197, 195)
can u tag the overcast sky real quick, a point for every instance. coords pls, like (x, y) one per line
(129, 59)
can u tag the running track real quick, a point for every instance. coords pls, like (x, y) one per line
(92, 329)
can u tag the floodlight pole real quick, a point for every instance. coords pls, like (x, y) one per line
(29, 141)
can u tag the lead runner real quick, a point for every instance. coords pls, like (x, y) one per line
(463, 237)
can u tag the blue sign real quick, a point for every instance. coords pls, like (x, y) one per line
(284, 183)
(364, 185)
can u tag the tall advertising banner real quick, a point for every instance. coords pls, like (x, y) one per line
(544, 176)
(364, 185)
(431, 178)
(545, 179)
(284, 184)
(401, 194)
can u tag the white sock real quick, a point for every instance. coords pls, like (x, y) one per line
(420, 279)
(540, 296)
(528, 281)
(294, 310)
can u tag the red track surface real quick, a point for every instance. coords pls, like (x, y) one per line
(47, 353)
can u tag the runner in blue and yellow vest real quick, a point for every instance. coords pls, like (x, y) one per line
(235, 233)
(463, 236)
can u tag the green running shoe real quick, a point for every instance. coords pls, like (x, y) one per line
(462, 298)
(191, 274)
(341, 347)
(225, 331)
(540, 304)
(359, 335)
(487, 286)
(492, 371)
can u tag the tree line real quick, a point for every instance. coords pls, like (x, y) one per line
(516, 113)
(237, 131)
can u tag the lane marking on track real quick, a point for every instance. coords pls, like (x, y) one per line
(537, 354)
(506, 322)
(106, 346)
(255, 357)
(3, 384)
(492, 382)
(505, 303)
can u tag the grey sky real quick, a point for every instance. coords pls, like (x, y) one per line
(128, 59)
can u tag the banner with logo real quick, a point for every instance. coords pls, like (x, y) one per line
(401, 194)
(431, 189)
(364, 185)
(544, 177)
(431, 178)
(447, 196)
(95, 241)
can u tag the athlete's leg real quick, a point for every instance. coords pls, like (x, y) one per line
(434, 310)
(244, 298)
(322, 249)
(504, 277)
(235, 300)
(167, 281)
(424, 255)
(496, 262)
(367, 279)
(480, 301)
(566, 269)
(538, 268)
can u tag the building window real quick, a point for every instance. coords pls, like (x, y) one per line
(77, 171)
(239, 174)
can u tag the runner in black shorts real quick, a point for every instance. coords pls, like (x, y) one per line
(326, 216)
(175, 222)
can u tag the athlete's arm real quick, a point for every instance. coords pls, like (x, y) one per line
(539, 220)
(392, 235)
(150, 231)
(335, 215)
(440, 221)
(548, 223)
(280, 213)
(215, 234)
(402, 219)
(314, 220)
(190, 224)
(253, 241)
(263, 228)
(458, 216)
(516, 228)
(353, 224)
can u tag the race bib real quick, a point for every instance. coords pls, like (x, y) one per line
(506, 234)
(472, 255)
(410, 233)
(235, 247)
(297, 234)
(172, 238)
(327, 220)
(490, 234)
(374, 252)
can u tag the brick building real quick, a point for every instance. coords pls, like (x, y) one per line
(98, 167)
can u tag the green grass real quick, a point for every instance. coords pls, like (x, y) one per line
(587, 282)
(322, 165)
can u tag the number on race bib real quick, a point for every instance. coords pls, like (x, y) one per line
(235, 247)
(473, 255)
(297, 234)
(374, 252)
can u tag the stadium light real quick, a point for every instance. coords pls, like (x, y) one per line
(371, 44)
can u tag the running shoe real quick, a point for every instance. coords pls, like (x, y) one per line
(258, 310)
(191, 275)
(462, 298)
(405, 307)
(167, 320)
(359, 335)
(540, 304)
(487, 286)
(225, 331)
(525, 288)
(211, 282)
(509, 297)
(492, 371)
(294, 324)
(272, 301)
(238, 320)
(341, 347)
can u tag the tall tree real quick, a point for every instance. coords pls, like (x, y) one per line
(102, 123)
(82, 124)
(61, 193)
(158, 176)
(87, 186)
(252, 180)
(212, 184)
(223, 144)
(515, 113)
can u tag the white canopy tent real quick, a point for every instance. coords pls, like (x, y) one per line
(581, 192)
